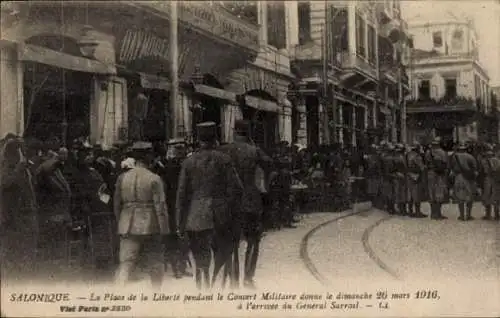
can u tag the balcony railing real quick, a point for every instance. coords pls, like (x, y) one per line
(450, 104)
(354, 61)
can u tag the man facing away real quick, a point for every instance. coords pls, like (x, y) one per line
(141, 212)
(464, 169)
(204, 203)
(437, 178)
(490, 169)
(416, 169)
(246, 158)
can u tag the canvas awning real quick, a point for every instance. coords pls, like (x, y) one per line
(34, 53)
(261, 104)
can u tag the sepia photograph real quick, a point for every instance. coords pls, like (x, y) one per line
(250, 158)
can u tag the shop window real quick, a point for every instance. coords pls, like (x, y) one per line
(276, 25)
(304, 22)
(451, 87)
(360, 35)
(425, 89)
(437, 39)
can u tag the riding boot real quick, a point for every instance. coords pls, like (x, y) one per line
(418, 211)
(468, 215)
(487, 210)
(461, 209)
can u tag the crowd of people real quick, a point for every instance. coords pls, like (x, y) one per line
(167, 200)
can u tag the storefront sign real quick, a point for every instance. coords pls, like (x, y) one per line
(214, 19)
(261, 104)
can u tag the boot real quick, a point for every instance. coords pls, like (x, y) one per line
(411, 211)
(468, 215)
(439, 212)
(497, 212)
(418, 212)
(402, 209)
(487, 209)
(461, 209)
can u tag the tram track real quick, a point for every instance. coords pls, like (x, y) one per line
(312, 269)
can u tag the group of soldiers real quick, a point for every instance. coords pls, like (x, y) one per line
(400, 178)
(217, 202)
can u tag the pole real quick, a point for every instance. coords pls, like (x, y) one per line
(174, 63)
(325, 101)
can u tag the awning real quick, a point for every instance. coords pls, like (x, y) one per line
(150, 81)
(215, 92)
(261, 104)
(47, 56)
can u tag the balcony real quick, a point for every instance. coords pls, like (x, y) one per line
(354, 63)
(213, 19)
(445, 105)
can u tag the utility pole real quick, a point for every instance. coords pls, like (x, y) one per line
(172, 113)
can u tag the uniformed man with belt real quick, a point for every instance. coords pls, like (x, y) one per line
(436, 160)
(141, 212)
(464, 169)
(400, 179)
(490, 171)
(204, 203)
(416, 169)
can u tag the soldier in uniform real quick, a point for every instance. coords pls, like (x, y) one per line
(436, 160)
(464, 170)
(416, 169)
(247, 158)
(387, 183)
(400, 179)
(373, 174)
(204, 203)
(140, 208)
(489, 168)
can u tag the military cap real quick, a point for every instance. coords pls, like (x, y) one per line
(141, 146)
(242, 125)
(206, 131)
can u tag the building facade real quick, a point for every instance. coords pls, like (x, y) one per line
(347, 56)
(451, 96)
(90, 70)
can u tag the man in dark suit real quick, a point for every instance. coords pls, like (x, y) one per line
(141, 211)
(204, 201)
(246, 158)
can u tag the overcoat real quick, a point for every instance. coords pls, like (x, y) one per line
(373, 174)
(246, 159)
(205, 191)
(491, 184)
(400, 179)
(416, 170)
(387, 185)
(139, 203)
(437, 175)
(464, 169)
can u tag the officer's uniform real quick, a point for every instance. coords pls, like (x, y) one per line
(489, 167)
(400, 179)
(204, 201)
(436, 160)
(464, 169)
(246, 159)
(387, 182)
(140, 208)
(416, 169)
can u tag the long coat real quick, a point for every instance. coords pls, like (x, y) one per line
(387, 169)
(416, 170)
(491, 185)
(437, 175)
(373, 174)
(464, 168)
(400, 179)
(139, 203)
(246, 158)
(205, 192)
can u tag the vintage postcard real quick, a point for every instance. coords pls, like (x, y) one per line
(250, 158)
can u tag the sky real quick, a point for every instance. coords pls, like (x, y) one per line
(486, 17)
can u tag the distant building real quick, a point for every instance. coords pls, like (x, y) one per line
(451, 96)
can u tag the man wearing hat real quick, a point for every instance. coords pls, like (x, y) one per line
(205, 202)
(416, 169)
(400, 179)
(489, 167)
(388, 169)
(141, 212)
(247, 158)
(464, 170)
(436, 160)
(373, 172)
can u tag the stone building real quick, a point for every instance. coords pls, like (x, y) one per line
(451, 96)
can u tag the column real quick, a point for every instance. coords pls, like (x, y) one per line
(11, 92)
(321, 115)
(351, 21)
(354, 110)
(302, 133)
(375, 114)
(229, 114)
(341, 122)
(285, 122)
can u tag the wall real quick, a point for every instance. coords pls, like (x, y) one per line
(11, 92)
(422, 38)
(464, 75)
